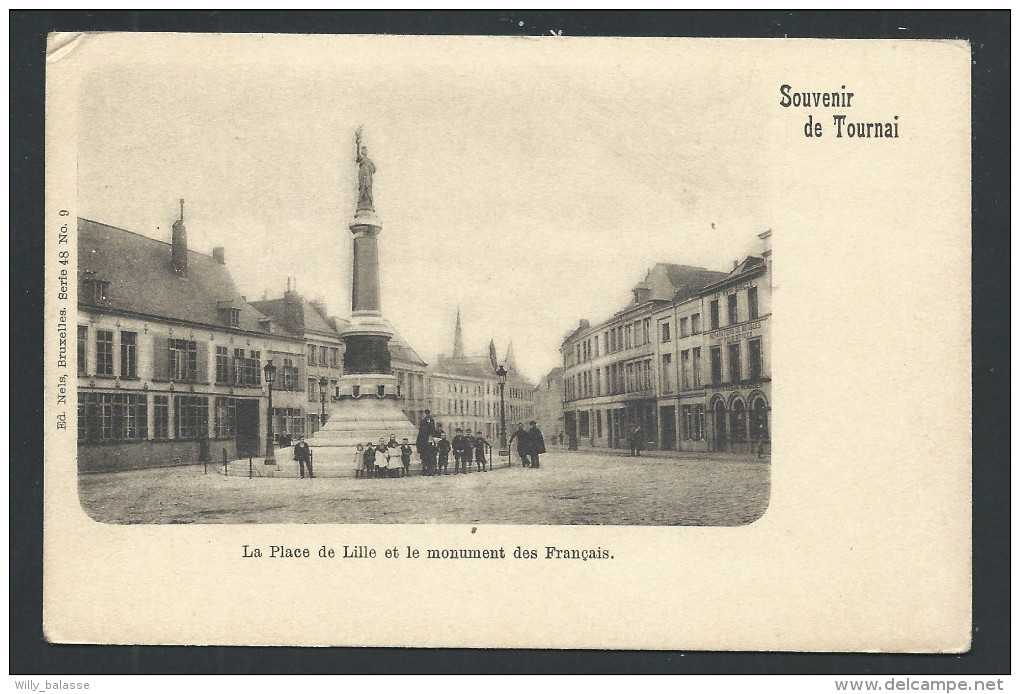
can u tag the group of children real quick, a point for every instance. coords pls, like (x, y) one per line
(435, 456)
(375, 459)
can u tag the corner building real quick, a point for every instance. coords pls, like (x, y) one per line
(170, 354)
(687, 360)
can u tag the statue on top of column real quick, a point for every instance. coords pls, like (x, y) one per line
(366, 169)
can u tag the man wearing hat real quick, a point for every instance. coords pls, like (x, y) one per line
(426, 430)
(303, 454)
(536, 443)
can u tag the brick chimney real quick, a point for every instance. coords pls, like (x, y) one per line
(179, 246)
(218, 255)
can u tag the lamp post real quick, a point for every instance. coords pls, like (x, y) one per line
(501, 375)
(270, 372)
(323, 385)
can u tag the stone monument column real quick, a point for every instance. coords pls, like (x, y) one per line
(367, 408)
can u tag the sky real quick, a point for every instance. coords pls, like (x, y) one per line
(531, 183)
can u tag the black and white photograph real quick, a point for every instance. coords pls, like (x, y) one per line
(388, 283)
(477, 342)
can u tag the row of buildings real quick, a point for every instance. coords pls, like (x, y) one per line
(170, 359)
(687, 361)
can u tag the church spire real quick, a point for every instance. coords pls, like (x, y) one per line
(510, 362)
(458, 338)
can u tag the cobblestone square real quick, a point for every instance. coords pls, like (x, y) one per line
(569, 488)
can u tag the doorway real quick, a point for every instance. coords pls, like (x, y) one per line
(667, 414)
(247, 428)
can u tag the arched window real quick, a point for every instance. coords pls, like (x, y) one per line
(759, 419)
(738, 421)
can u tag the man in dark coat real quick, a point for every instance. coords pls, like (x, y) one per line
(522, 443)
(480, 445)
(303, 454)
(635, 441)
(426, 429)
(536, 444)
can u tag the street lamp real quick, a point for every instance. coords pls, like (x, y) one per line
(323, 385)
(501, 375)
(270, 372)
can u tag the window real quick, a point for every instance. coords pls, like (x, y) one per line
(605, 342)
(128, 355)
(288, 375)
(752, 303)
(323, 355)
(716, 357)
(94, 291)
(754, 364)
(685, 365)
(235, 317)
(734, 358)
(311, 355)
(225, 417)
(665, 332)
(667, 372)
(696, 368)
(683, 327)
(698, 423)
(731, 308)
(222, 365)
(83, 339)
(582, 424)
(598, 381)
(686, 422)
(595, 344)
(104, 352)
(334, 357)
(598, 423)
(191, 416)
(648, 375)
(247, 370)
(112, 417)
(83, 429)
(183, 360)
(695, 324)
(161, 416)
(713, 311)
(646, 331)
(628, 334)
(312, 391)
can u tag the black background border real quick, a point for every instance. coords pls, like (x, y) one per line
(988, 32)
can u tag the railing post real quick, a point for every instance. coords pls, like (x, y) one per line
(249, 468)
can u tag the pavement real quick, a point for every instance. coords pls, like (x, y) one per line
(571, 487)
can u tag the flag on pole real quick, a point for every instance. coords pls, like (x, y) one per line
(492, 355)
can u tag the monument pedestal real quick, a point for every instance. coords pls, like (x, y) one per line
(353, 419)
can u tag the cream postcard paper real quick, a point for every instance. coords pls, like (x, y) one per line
(799, 489)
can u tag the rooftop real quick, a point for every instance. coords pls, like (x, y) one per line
(143, 281)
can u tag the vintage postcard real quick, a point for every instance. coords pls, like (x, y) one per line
(508, 342)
